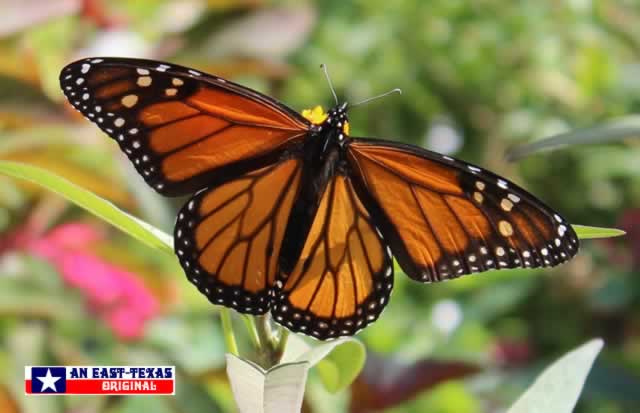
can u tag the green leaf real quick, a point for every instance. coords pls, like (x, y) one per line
(100, 207)
(616, 130)
(277, 390)
(341, 367)
(585, 232)
(558, 387)
(338, 362)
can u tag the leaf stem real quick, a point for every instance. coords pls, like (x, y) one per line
(282, 342)
(249, 322)
(227, 328)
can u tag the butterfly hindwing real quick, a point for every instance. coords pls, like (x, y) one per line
(178, 126)
(228, 237)
(445, 218)
(344, 276)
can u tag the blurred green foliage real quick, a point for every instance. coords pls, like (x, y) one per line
(478, 78)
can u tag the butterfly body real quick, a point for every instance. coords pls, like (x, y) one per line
(292, 215)
(324, 154)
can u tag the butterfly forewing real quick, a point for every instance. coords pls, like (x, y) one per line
(180, 127)
(228, 237)
(445, 218)
(344, 276)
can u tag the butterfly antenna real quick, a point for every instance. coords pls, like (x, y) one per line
(396, 90)
(326, 74)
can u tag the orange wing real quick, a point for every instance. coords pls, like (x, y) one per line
(228, 237)
(345, 273)
(444, 218)
(180, 127)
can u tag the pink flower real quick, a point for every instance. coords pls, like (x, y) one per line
(117, 295)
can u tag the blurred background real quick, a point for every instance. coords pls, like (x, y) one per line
(478, 78)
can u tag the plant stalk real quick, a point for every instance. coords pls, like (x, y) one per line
(272, 343)
(227, 328)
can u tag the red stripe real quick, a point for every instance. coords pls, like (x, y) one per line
(162, 386)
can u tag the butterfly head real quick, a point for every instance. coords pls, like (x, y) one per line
(334, 118)
(338, 118)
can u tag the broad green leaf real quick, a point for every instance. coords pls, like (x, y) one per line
(558, 387)
(341, 367)
(616, 130)
(585, 232)
(100, 207)
(277, 390)
(338, 362)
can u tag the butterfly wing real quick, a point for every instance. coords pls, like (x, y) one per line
(178, 126)
(445, 218)
(228, 236)
(344, 276)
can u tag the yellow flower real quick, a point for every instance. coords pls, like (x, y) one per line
(315, 115)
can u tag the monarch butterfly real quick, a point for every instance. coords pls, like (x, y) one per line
(293, 215)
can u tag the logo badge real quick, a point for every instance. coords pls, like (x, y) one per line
(99, 380)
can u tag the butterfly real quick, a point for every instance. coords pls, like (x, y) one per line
(292, 215)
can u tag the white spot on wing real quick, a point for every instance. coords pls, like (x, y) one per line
(144, 81)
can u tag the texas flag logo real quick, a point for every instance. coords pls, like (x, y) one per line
(99, 380)
(47, 380)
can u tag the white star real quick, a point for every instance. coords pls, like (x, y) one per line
(49, 381)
